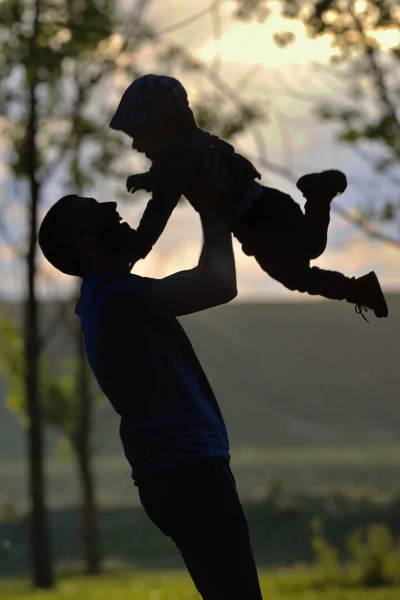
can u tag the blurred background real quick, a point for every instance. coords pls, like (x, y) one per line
(308, 389)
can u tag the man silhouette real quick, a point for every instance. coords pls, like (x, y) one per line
(172, 429)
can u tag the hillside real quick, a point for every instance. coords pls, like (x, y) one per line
(300, 375)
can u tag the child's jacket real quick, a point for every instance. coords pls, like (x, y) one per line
(171, 177)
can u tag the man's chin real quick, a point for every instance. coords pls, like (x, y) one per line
(128, 240)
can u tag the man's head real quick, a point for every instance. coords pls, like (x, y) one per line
(80, 236)
(154, 111)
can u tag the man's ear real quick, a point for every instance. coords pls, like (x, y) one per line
(85, 243)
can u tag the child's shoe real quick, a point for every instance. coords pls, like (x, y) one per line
(327, 183)
(366, 293)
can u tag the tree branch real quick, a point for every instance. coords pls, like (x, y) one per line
(216, 22)
(247, 77)
(188, 20)
(366, 228)
(60, 318)
(378, 77)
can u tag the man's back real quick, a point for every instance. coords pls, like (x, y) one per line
(147, 368)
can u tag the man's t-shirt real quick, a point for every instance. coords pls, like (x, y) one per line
(147, 368)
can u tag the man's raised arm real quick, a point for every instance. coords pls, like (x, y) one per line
(213, 281)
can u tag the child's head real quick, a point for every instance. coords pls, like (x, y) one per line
(154, 111)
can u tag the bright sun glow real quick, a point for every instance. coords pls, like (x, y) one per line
(389, 38)
(253, 43)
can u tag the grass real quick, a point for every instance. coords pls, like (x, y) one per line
(280, 526)
(164, 585)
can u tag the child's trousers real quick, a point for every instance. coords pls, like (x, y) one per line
(283, 240)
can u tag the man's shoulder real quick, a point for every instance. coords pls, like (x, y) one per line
(121, 283)
(113, 291)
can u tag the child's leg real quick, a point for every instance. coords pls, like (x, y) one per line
(319, 189)
(274, 234)
(316, 223)
(298, 275)
(274, 226)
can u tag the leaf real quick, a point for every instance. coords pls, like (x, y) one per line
(247, 10)
(284, 38)
(389, 212)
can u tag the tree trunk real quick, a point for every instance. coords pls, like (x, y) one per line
(40, 546)
(89, 518)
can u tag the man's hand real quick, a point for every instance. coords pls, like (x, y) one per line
(216, 182)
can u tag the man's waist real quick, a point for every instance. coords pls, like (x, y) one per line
(170, 466)
(149, 448)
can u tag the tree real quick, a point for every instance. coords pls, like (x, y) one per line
(80, 440)
(40, 41)
(60, 390)
(21, 29)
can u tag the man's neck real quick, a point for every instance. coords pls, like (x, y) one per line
(108, 268)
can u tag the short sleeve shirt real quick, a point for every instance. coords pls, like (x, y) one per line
(148, 370)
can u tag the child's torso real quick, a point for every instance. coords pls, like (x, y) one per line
(182, 167)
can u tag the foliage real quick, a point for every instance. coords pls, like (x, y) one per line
(373, 561)
(57, 382)
(326, 556)
(364, 36)
(67, 59)
(376, 556)
(74, 64)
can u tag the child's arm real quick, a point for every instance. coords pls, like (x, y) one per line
(155, 218)
(158, 209)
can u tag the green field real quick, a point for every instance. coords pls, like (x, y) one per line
(172, 586)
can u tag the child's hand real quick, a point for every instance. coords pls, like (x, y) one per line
(131, 184)
(141, 181)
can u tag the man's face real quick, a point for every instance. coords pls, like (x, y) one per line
(103, 222)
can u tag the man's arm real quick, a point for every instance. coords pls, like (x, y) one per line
(211, 283)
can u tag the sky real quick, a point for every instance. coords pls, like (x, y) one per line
(286, 82)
